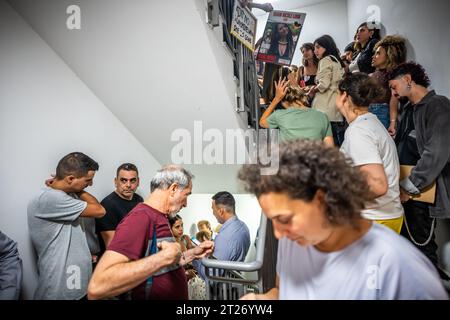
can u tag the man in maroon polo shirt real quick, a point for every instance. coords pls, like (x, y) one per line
(133, 266)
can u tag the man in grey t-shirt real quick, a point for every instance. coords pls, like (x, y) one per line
(58, 236)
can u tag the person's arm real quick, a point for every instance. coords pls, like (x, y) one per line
(93, 209)
(202, 250)
(329, 141)
(280, 91)
(267, 7)
(107, 237)
(436, 153)
(362, 147)
(116, 273)
(376, 178)
(272, 294)
(393, 112)
(263, 121)
(324, 75)
(189, 244)
(10, 269)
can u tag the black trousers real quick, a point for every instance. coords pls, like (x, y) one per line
(417, 216)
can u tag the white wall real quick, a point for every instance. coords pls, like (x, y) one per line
(424, 23)
(199, 208)
(323, 18)
(46, 111)
(156, 65)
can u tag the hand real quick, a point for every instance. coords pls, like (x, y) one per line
(171, 252)
(267, 7)
(392, 131)
(191, 273)
(244, 3)
(280, 89)
(49, 182)
(404, 196)
(312, 91)
(203, 249)
(251, 296)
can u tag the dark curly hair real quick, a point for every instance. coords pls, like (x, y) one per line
(363, 89)
(415, 70)
(307, 166)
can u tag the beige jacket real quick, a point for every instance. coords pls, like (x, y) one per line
(328, 76)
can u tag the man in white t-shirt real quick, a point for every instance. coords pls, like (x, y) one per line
(327, 250)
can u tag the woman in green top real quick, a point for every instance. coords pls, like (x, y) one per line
(297, 120)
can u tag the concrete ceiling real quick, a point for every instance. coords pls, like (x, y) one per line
(155, 64)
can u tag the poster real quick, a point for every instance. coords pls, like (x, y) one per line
(243, 25)
(280, 37)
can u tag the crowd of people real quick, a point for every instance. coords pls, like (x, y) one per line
(349, 226)
(380, 114)
(143, 251)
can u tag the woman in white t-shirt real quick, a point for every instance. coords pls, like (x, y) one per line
(371, 148)
(326, 250)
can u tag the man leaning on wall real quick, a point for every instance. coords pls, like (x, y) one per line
(57, 232)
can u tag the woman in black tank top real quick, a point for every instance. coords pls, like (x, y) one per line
(307, 72)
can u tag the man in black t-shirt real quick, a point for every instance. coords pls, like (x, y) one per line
(118, 203)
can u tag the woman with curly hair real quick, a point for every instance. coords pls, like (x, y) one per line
(372, 149)
(326, 249)
(389, 53)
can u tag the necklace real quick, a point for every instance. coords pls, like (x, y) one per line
(282, 42)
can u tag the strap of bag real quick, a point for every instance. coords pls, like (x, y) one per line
(151, 249)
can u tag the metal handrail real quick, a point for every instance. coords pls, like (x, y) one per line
(244, 266)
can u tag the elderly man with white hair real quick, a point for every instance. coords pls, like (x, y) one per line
(143, 260)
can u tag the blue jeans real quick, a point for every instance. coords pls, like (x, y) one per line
(381, 110)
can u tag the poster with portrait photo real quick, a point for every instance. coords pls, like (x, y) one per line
(280, 37)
